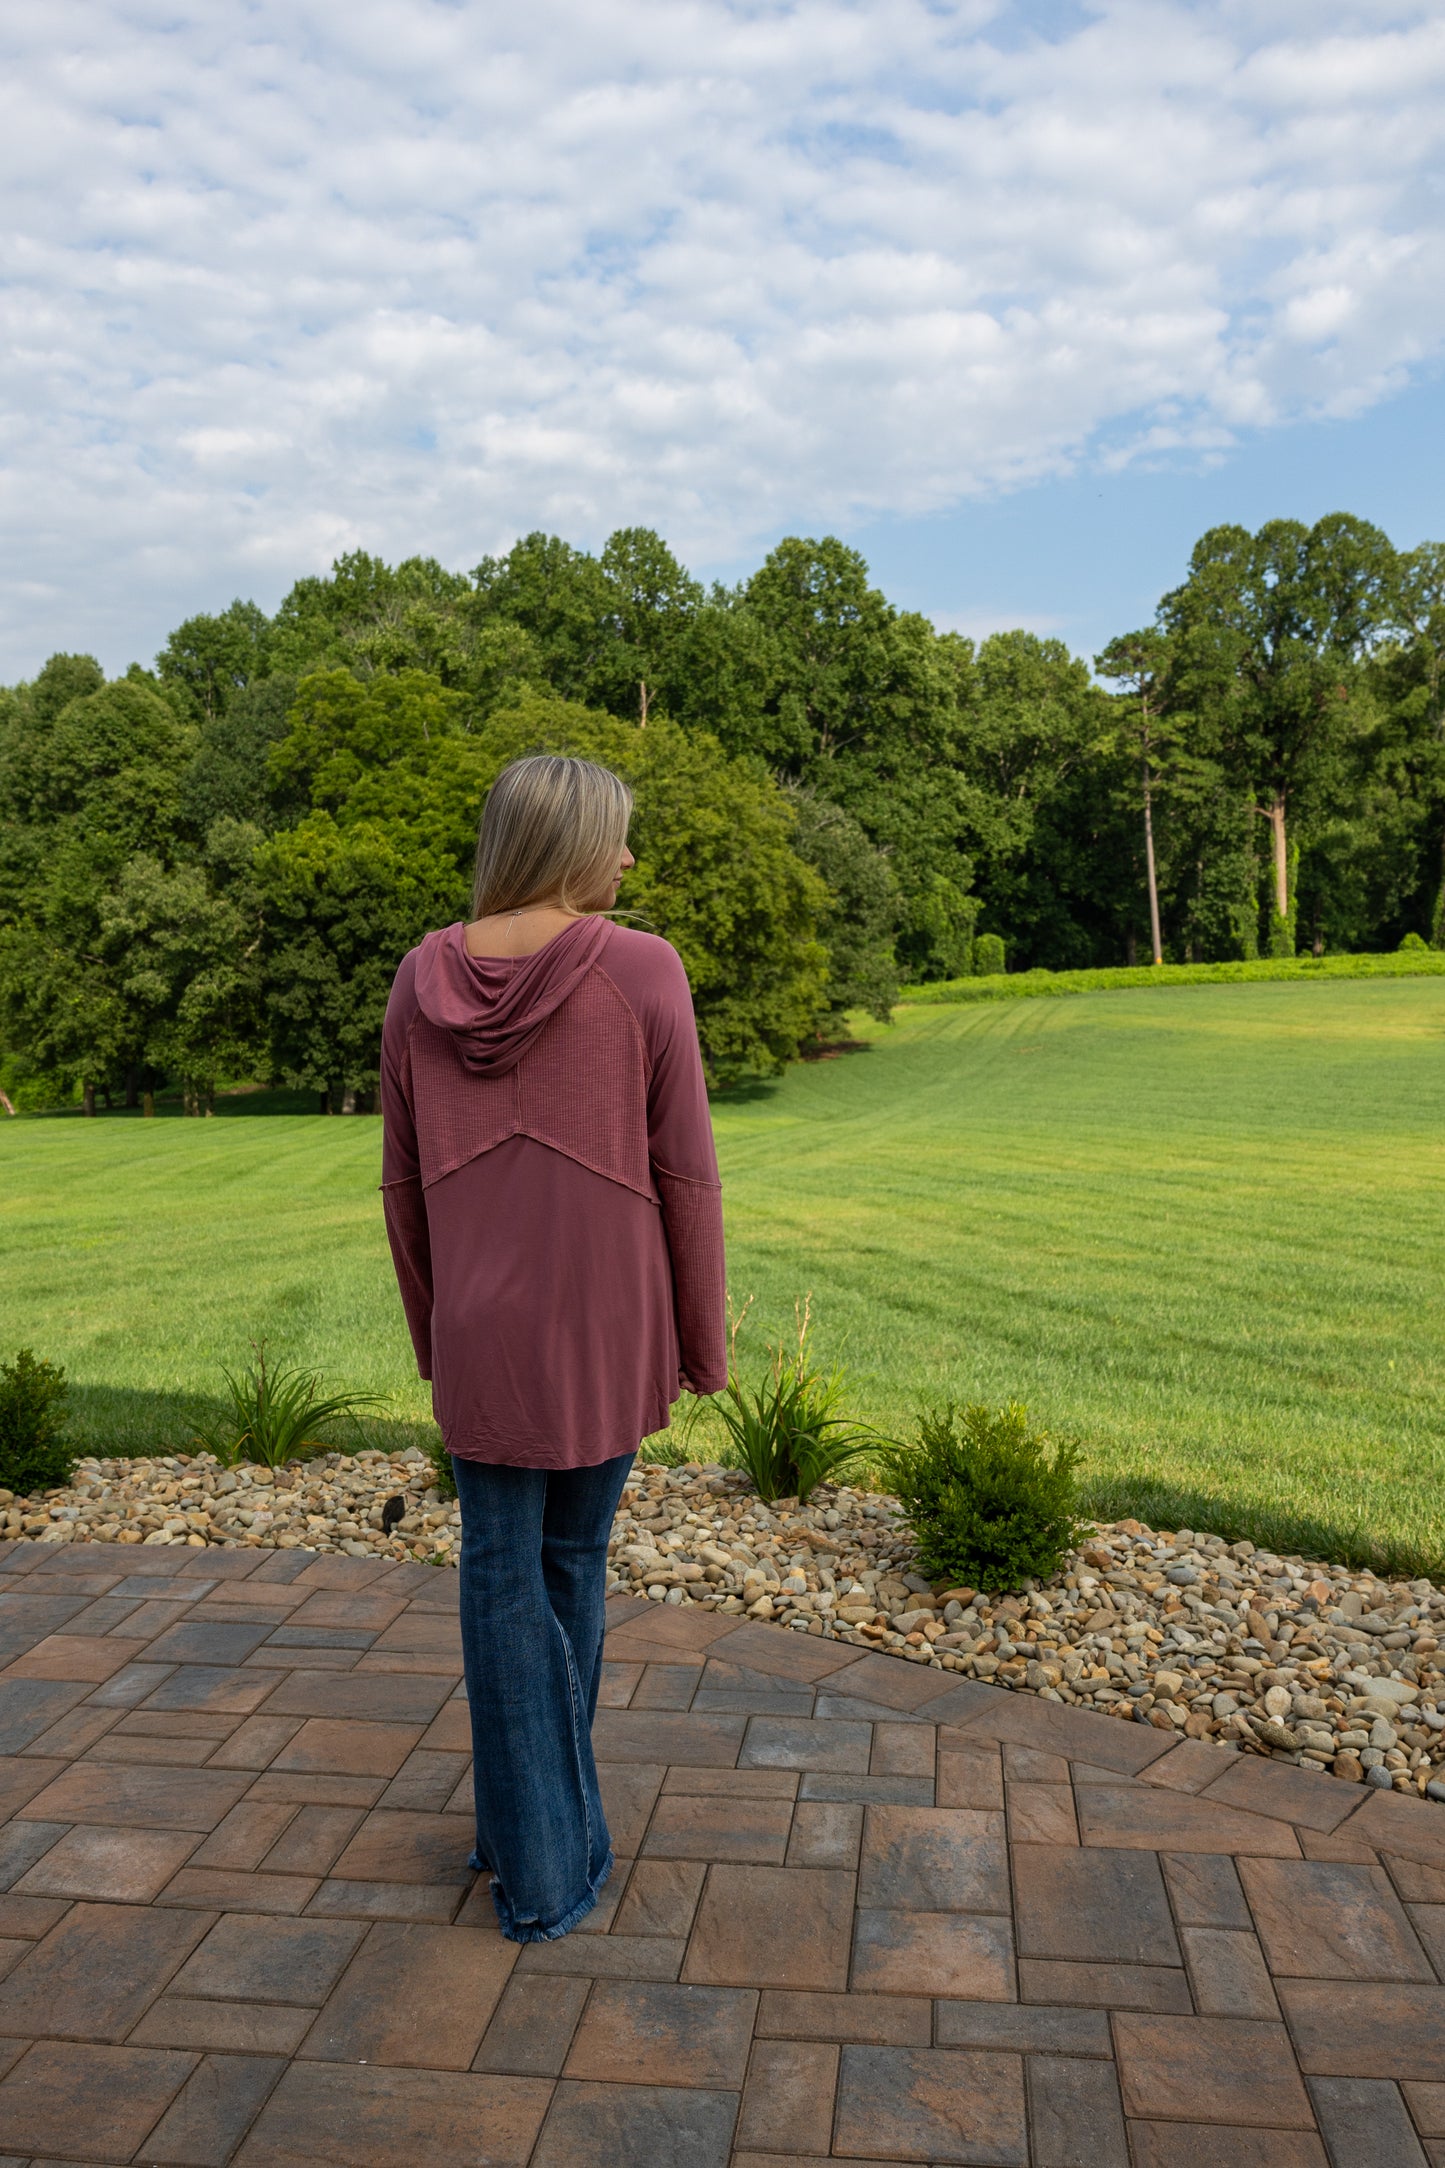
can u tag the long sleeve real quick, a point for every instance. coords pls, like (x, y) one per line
(401, 1188)
(684, 1167)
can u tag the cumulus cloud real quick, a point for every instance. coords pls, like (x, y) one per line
(292, 276)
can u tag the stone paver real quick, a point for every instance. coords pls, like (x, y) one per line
(862, 1911)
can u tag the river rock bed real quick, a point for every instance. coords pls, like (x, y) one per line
(331, 1503)
(1282, 1656)
(1290, 1657)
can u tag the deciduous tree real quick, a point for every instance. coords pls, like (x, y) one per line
(1139, 661)
(84, 787)
(1271, 633)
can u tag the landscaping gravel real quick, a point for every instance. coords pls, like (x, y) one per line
(1307, 1662)
(332, 1503)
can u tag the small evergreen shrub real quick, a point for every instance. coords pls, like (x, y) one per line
(1411, 942)
(988, 956)
(992, 1502)
(33, 1452)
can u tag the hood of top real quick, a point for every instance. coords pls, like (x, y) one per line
(495, 1006)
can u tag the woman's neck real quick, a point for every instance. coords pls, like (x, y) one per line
(518, 933)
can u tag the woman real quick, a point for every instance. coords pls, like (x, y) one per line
(555, 1220)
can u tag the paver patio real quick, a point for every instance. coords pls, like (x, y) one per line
(861, 1911)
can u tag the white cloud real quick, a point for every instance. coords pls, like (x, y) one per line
(985, 618)
(280, 279)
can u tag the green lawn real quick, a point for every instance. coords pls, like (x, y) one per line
(1201, 1228)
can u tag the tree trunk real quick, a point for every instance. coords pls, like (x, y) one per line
(87, 1097)
(132, 1087)
(105, 1095)
(323, 1102)
(148, 1103)
(1274, 814)
(348, 1101)
(1149, 863)
(1281, 929)
(1131, 949)
(6, 1104)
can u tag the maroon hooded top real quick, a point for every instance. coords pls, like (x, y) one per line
(551, 1191)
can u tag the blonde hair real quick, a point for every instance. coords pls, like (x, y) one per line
(552, 828)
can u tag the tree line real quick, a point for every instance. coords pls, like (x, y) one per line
(209, 869)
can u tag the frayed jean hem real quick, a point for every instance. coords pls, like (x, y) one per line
(528, 1930)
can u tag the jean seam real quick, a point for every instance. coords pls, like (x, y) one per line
(573, 1691)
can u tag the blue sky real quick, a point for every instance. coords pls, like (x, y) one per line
(1086, 558)
(1018, 297)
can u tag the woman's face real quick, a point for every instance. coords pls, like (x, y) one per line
(609, 894)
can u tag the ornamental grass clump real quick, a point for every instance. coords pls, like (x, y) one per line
(33, 1453)
(991, 1501)
(275, 1414)
(788, 1434)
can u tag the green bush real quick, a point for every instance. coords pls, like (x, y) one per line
(1411, 943)
(33, 1452)
(988, 956)
(1411, 963)
(991, 1501)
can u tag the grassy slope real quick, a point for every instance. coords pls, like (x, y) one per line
(1203, 1233)
(144, 1254)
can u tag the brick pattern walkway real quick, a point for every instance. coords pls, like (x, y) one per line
(860, 1912)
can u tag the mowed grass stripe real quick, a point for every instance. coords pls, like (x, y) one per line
(145, 1255)
(1200, 1229)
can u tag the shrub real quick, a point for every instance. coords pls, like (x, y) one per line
(787, 1434)
(988, 956)
(992, 1502)
(442, 1469)
(274, 1414)
(33, 1453)
(1017, 985)
(1411, 942)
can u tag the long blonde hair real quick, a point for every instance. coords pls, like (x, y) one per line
(552, 828)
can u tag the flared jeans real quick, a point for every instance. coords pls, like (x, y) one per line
(533, 1591)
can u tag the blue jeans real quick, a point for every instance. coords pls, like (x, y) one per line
(533, 1590)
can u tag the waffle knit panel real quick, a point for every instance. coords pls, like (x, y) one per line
(581, 1088)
